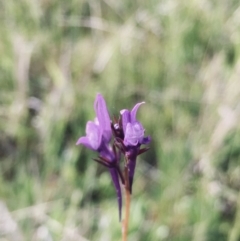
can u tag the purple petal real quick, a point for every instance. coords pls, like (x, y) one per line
(103, 116)
(94, 135)
(125, 118)
(115, 179)
(134, 111)
(146, 140)
(84, 141)
(134, 134)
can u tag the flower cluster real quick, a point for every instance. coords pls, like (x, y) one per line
(113, 139)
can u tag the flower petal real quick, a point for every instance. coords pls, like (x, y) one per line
(94, 135)
(125, 118)
(84, 141)
(134, 134)
(103, 116)
(134, 111)
(146, 140)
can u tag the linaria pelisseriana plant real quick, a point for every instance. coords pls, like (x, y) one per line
(112, 139)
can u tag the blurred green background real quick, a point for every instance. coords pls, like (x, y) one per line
(181, 57)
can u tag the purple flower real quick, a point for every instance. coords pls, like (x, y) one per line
(133, 130)
(98, 133)
(98, 138)
(128, 135)
(133, 139)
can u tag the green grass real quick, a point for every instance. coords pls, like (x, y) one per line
(180, 57)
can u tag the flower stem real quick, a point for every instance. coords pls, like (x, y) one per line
(127, 207)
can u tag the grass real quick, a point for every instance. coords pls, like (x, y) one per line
(180, 57)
